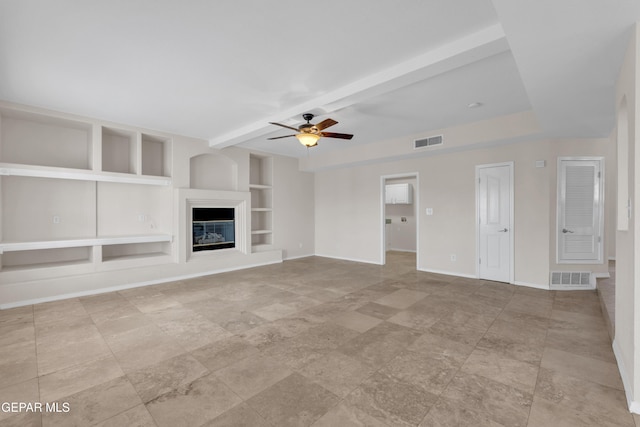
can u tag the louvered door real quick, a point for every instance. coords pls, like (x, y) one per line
(580, 200)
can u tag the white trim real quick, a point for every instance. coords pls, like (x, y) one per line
(512, 201)
(348, 259)
(601, 275)
(89, 241)
(611, 258)
(401, 250)
(531, 285)
(448, 273)
(130, 286)
(8, 169)
(633, 405)
(601, 257)
(297, 257)
(383, 207)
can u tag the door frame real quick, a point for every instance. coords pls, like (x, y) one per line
(511, 217)
(383, 206)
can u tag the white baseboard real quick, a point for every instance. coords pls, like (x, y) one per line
(128, 286)
(402, 250)
(448, 273)
(602, 275)
(349, 259)
(531, 285)
(626, 381)
(297, 257)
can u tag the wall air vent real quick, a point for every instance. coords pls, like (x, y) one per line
(572, 280)
(427, 142)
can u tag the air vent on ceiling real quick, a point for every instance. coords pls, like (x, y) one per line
(427, 142)
(564, 280)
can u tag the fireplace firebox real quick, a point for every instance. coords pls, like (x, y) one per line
(213, 229)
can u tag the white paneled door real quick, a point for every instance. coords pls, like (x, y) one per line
(495, 222)
(580, 210)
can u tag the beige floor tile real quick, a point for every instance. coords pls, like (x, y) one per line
(73, 353)
(18, 363)
(134, 417)
(19, 333)
(148, 302)
(437, 347)
(503, 404)
(593, 400)
(143, 347)
(224, 353)
(591, 341)
(496, 366)
(415, 319)
(294, 401)
(26, 391)
(17, 316)
(252, 375)
(74, 379)
(380, 311)
(345, 415)
(102, 302)
(163, 377)
(530, 305)
(338, 373)
(545, 413)
(447, 413)
(524, 347)
(433, 375)
(392, 401)
(58, 311)
(95, 404)
(187, 328)
(275, 311)
(402, 298)
(357, 321)
(464, 334)
(241, 415)
(193, 404)
(594, 370)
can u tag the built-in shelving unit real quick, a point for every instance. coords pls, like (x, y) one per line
(56, 176)
(261, 187)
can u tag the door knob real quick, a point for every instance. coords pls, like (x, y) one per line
(564, 230)
(504, 230)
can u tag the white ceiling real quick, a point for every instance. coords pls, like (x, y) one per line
(221, 70)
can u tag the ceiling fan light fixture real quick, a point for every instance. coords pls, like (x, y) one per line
(308, 139)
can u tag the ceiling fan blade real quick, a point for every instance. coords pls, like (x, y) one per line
(336, 135)
(284, 126)
(325, 124)
(280, 137)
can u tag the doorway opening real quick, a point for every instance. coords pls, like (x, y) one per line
(400, 219)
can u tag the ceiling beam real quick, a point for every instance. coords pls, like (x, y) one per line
(463, 51)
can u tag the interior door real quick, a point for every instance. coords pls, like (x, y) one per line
(494, 222)
(579, 211)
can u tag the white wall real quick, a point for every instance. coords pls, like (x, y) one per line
(294, 208)
(627, 305)
(348, 218)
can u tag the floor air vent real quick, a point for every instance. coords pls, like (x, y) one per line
(566, 280)
(427, 142)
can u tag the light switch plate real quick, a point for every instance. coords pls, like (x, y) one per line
(429, 211)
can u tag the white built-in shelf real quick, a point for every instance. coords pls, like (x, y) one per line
(81, 242)
(261, 210)
(261, 248)
(8, 169)
(260, 186)
(261, 231)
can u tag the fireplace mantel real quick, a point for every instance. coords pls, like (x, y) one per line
(195, 198)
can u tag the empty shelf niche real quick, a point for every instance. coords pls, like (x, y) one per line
(135, 251)
(263, 239)
(33, 139)
(42, 258)
(156, 156)
(119, 153)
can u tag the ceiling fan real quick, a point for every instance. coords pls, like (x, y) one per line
(309, 134)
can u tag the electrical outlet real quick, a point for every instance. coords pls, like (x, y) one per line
(429, 211)
(142, 217)
(56, 219)
(300, 245)
(453, 257)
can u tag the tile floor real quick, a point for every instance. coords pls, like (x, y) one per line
(315, 342)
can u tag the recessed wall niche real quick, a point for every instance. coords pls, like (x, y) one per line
(213, 172)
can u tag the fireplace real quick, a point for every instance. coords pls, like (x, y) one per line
(213, 229)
